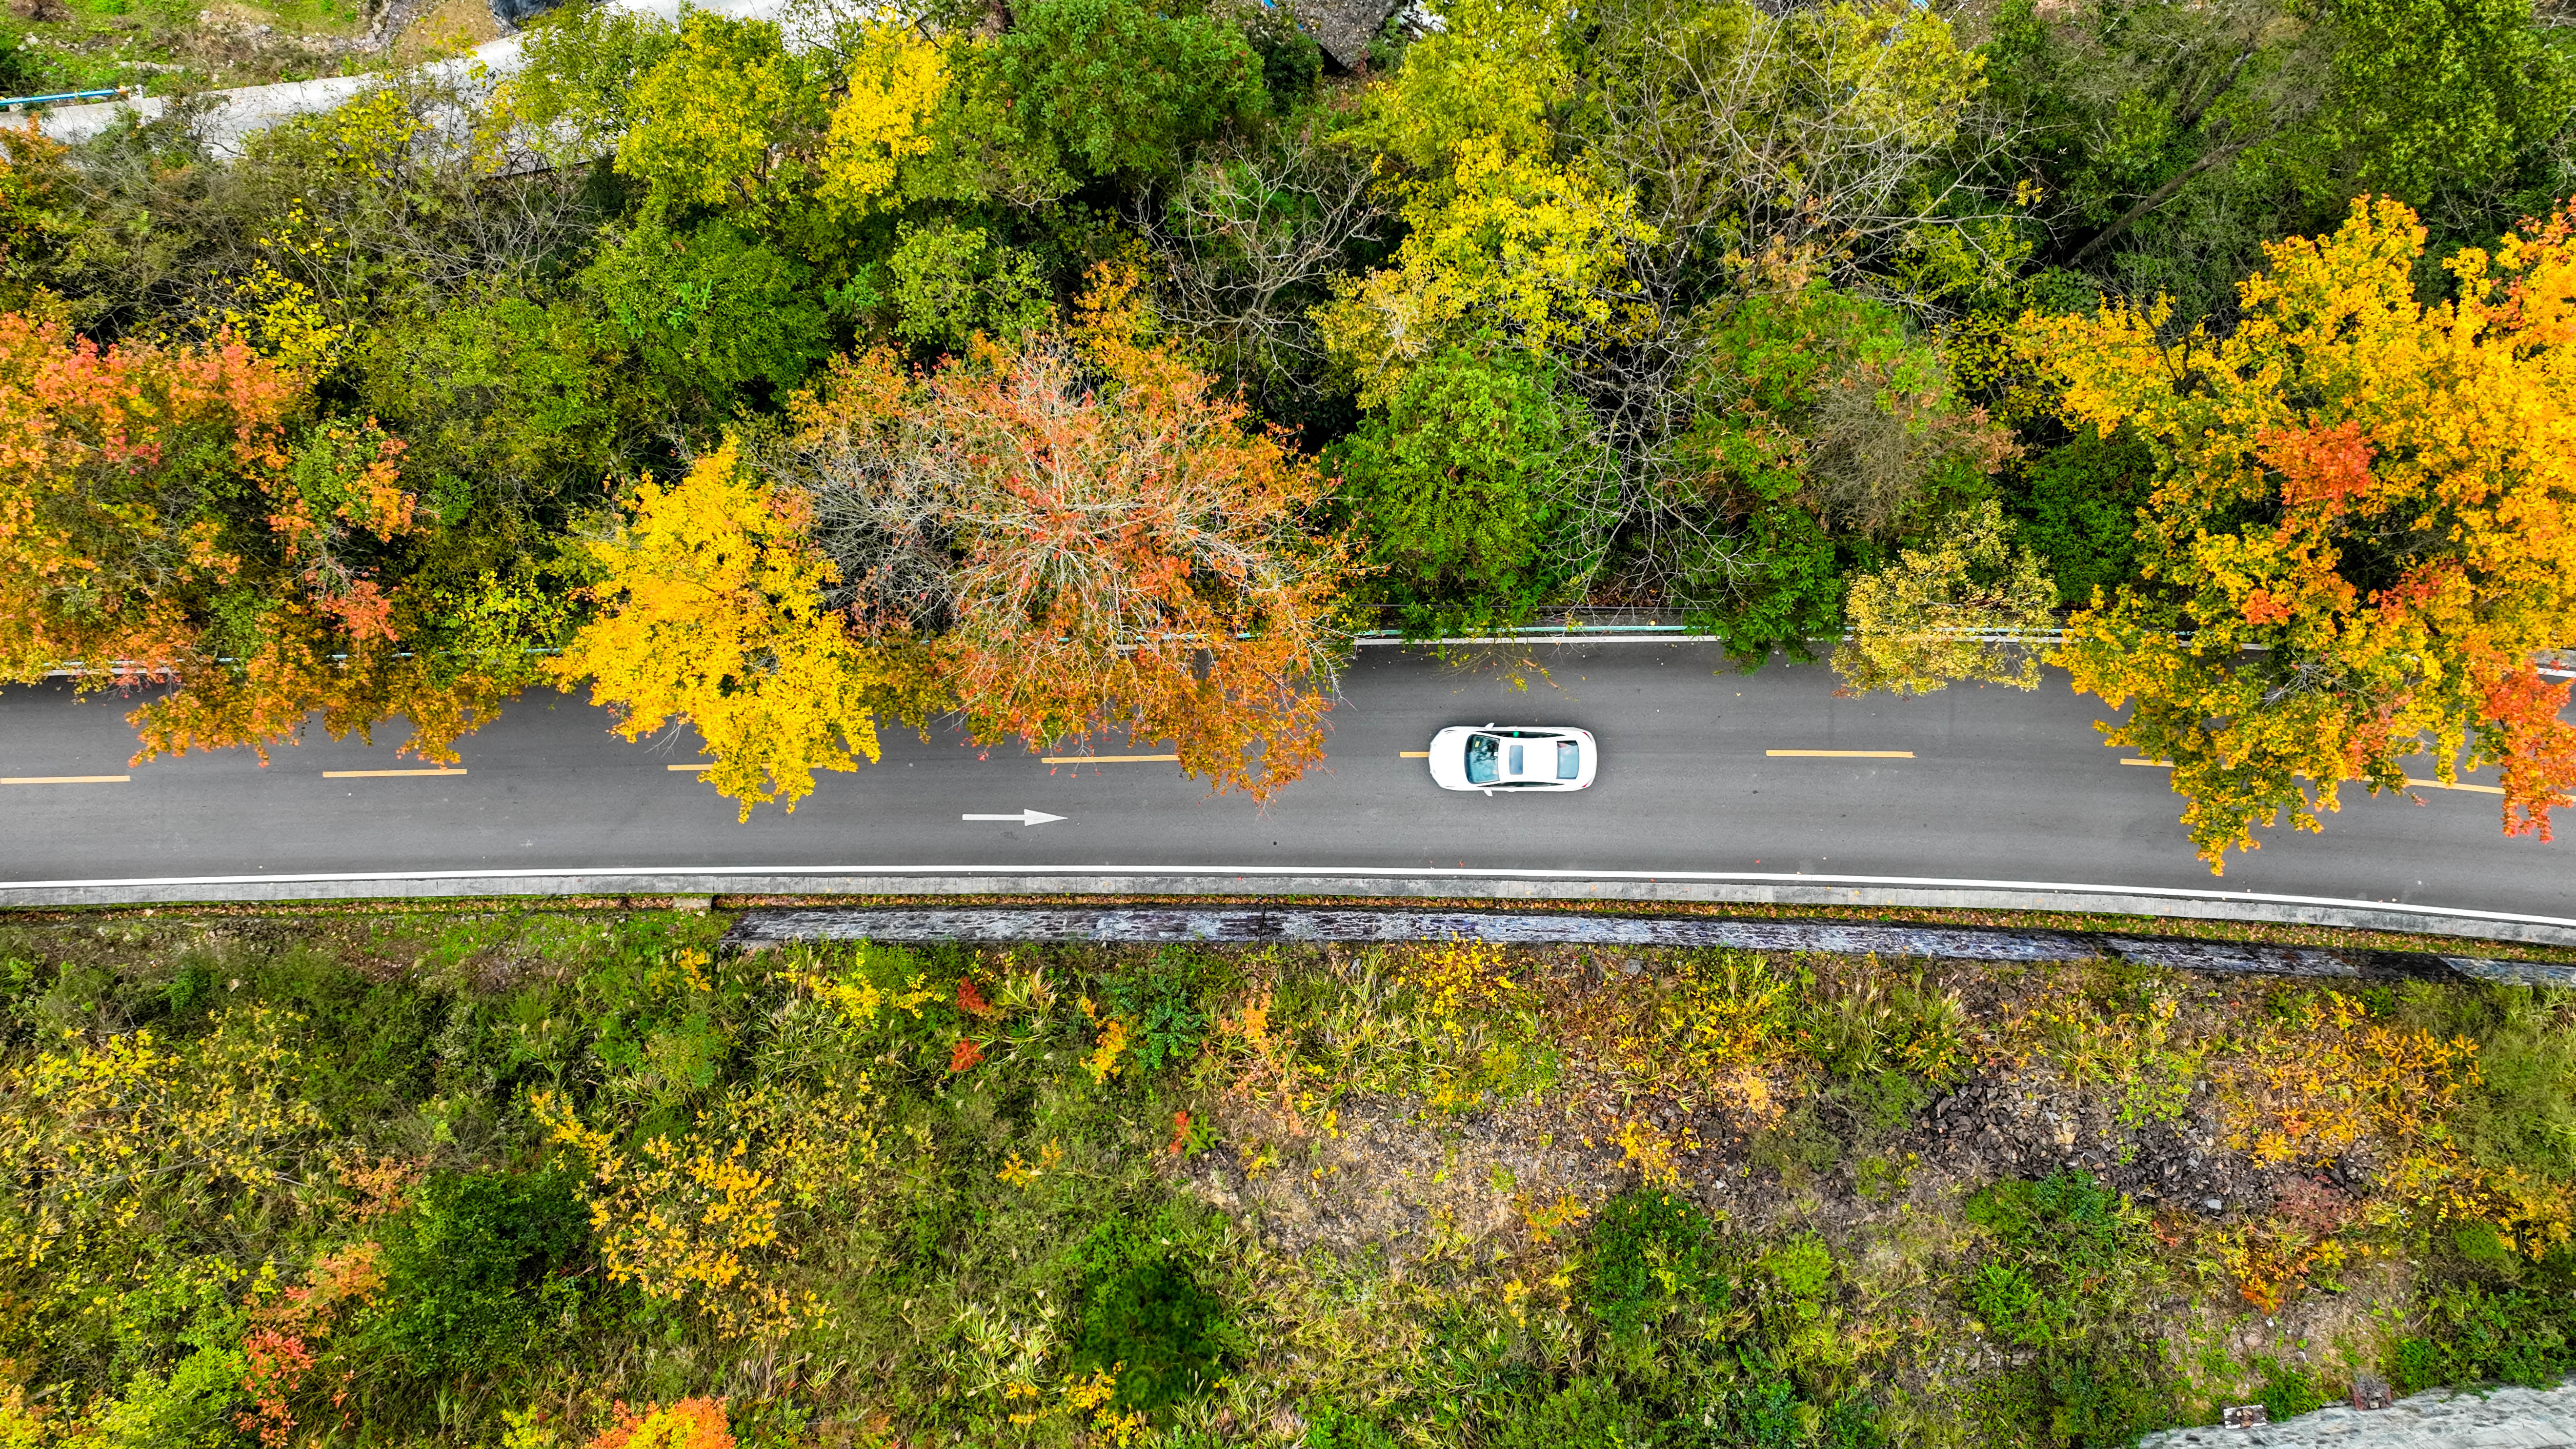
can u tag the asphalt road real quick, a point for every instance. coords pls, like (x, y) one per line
(2001, 785)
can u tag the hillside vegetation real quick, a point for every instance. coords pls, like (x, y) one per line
(584, 1180)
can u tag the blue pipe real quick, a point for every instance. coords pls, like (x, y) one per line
(117, 94)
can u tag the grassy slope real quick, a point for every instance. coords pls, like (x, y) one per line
(479, 1178)
(168, 46)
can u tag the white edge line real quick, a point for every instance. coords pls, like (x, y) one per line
(1325, 872)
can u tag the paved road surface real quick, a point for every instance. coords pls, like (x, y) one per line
(2002, 785)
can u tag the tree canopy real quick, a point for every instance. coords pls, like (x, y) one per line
(2362, 530)
(1832, 326)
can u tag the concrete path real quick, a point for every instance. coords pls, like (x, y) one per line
(232, 117)
(2512, 1418)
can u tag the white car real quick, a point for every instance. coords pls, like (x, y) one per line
(1513, 757)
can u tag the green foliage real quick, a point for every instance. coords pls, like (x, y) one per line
(2289, 1391)
(717, 119)
(510, 409)
(193, 1407)
(1119, 90)
(1804, 1269)
(1592, 1410)
(2428, 94)
(2169, 141)
(1652, 1254)
(475, 1271)
(1291, 62)
(1828, 430)
(1143, 1306)
(952, 284)
(1877, 1024)
(2065, 1248)
(2522, 1111)
(581, 63)
(2467, 1332)
(713, 311)
(1798, 1145)
(2103, 1397)
(1491, 70)
(1329, 1427)
(1466, 490)
(1160, 1003)
(2080, 510)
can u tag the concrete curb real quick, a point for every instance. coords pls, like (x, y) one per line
(1762, 888)
(767, 926)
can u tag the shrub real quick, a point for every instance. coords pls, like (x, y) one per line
(1143, 1308)
(473, 1270)
(2066, 1252)
(2081, 512)
(1160, 1004)
(1590, 1411)
(1328, 1427)
(2288, 1392)
(1652, 1254)
(2468, 1333)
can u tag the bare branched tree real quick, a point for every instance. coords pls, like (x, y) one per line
(1766, 152)
(1248, 242)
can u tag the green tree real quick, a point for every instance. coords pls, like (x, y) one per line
(953, 283)
(2078, 510)
(514, 410)
(1825, 431)
(2168, 140)
(712, 311)
(577, 80)
(1465, 491)
(1121, 90)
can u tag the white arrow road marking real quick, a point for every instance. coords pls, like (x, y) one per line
(1025, 817)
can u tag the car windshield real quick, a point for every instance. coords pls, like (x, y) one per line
(1569, 760)
(1481, 764)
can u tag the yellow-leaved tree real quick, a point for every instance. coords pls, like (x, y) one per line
(2363, 527)
(711, 612)
(1963, 606)
(896, 81)
(1497, 240)
(1501, 236)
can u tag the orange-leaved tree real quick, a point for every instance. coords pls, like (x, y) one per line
(712, 611)
(2363, 527)
(1081, 534)
(171, 516)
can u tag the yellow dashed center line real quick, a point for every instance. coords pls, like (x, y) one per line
(1108, 759)
(384, 774)
(701, 765)
(64, 779)
(2438, 785)
(1413, 754)
(1844, 754)
(2410, 780)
